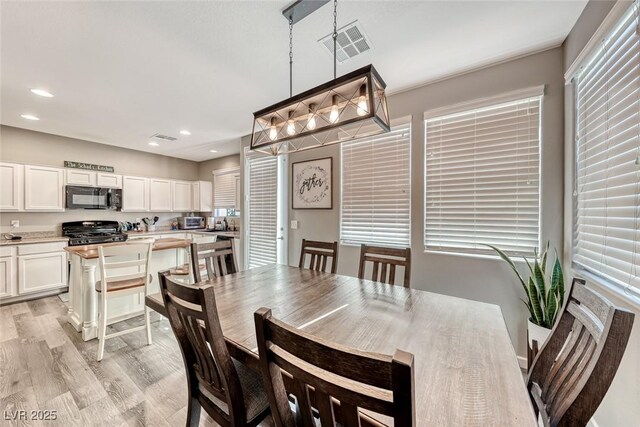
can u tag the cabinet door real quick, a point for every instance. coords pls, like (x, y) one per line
(135, 194)
(195, 196)
(181, 196)
(159, 195)
(206, 196)
(7, 277)
(40, 272)
(81, 177)
(11, 187)
(110, 180)
(43, 188)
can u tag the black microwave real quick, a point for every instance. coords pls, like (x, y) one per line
(93, 198)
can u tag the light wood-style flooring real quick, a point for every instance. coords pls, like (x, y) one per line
(45, 365)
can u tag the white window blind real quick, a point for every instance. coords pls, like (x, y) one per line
(607, 175)
(263, 207)
(376, 189)
(482, 180)
(224, 189)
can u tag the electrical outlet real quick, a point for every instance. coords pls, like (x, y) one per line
(15, 223)
(294, 224)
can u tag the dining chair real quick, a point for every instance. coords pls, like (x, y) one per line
(319, 254)
(330, 380)
(185, 269)
(385, 260)
(574, 368)
(231, 393)
(124, 270)
(217, 259)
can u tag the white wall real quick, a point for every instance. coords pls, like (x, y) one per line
(481, 279)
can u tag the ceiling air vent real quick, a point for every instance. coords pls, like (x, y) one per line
(161, 137)
(351, 41)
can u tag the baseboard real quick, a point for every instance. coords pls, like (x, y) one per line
(592, 423)
(35, 295)
(522, 361)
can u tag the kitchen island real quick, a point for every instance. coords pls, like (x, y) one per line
(83, 298)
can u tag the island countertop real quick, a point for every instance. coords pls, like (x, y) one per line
(91, 251)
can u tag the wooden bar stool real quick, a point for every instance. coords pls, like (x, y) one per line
(132, 261)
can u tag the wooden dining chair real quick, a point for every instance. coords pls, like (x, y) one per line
(124, 270)
(319, 253)
(231, 393)
(217, 259)
(330, 380)
(185, 269)
(574, 368)
(385, 261)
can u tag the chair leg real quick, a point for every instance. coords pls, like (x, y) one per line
(102, 326)
(147, 322)
(193, 412)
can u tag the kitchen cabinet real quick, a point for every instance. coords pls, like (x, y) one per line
(8, 279)
(11, 187)
(202, 196)
(181, 196)
(43, 189)
(81, 177)
(110, 180)
(135, 194)
(41, 267)
(160, 195)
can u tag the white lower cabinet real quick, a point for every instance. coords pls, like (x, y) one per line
(8, 279)
(41, 267)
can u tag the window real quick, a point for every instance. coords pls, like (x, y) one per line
(482, 180)
(224, 188)
(376, 189)
(263, 208)
(607, 161)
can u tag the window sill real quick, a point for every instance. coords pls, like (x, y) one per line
(517, 259)
(609, 288)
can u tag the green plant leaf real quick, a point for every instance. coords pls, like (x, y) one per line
(540, 282)
(551, 308)
(506, 258)
(559, 275)
(543, 262)
(538, 317)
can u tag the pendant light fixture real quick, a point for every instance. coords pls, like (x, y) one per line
(351, 106)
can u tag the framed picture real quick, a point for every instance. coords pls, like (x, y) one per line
(312, 183)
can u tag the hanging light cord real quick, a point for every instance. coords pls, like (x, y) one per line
(335, 37)
(290, 57)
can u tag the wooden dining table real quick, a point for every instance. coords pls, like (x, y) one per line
(466, 370)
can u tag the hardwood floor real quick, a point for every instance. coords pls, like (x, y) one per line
(45, 366)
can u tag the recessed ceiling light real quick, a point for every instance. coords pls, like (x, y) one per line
(155, 144)
(213, 151)
(42, 92)
(29, 117)
(185, 132)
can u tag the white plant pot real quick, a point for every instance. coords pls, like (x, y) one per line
(538, 333)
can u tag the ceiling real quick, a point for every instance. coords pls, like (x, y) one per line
(123, 71)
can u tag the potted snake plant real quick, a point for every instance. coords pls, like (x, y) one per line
(545, 292)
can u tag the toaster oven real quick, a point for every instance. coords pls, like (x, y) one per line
(190, 222)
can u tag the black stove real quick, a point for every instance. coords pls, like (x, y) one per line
(92, 232)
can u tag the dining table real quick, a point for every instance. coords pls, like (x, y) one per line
(465, 368)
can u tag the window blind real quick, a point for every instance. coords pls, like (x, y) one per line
(263, 188)
(376, 189)
(224, 189)
(482, 180)
(607, 175)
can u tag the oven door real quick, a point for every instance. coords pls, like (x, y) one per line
(87, 197)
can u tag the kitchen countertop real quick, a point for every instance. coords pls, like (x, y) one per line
(32, 240)
(91, 251)
(234, 234)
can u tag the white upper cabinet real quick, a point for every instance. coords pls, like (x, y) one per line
(110, 180)
(202, 196)
(160, 195)
(11, 187)
(182, 196)
(81, 177)
(43, 188)
(135, 194)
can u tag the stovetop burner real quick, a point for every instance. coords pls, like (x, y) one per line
(92, 232)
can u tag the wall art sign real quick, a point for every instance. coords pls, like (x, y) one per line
(88, 166)
(312, 183)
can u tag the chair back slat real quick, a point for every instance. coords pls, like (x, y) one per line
(320, 253)
(193, 316)
(214, 256)
(333, 380)
(575, 367)
(384, 263)
(125, 261)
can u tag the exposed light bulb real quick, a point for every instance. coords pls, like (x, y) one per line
(291, 125)
(273, 131)
(333, 116)
(311, 119)
(362, 102)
